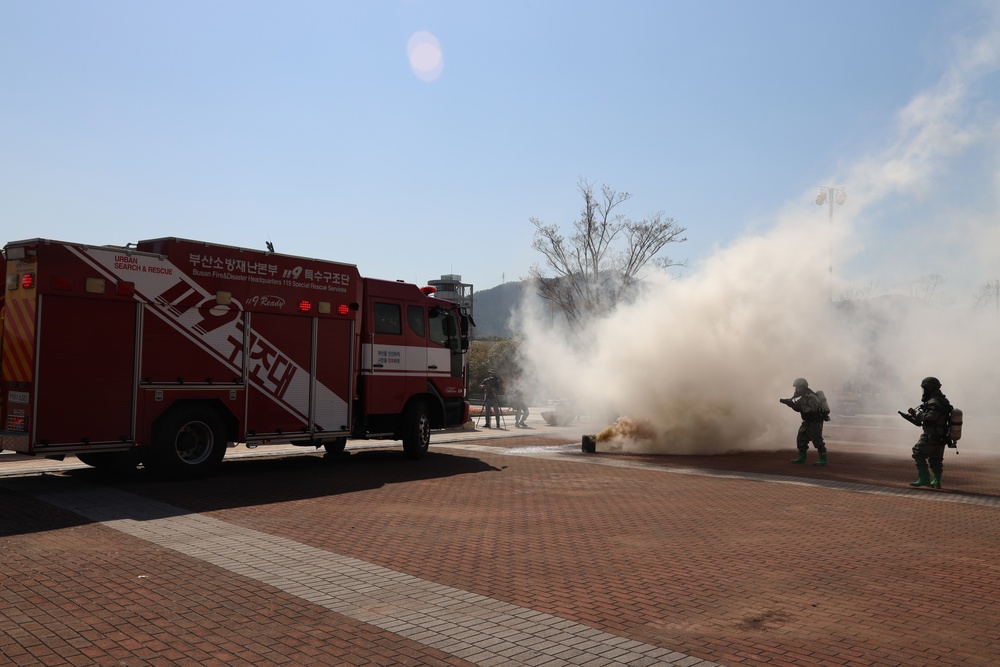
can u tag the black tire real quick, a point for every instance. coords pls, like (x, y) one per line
(117, 463)
(335, 446)
(416, 431)
(188, 442)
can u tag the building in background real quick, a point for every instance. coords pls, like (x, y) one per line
(451, 288)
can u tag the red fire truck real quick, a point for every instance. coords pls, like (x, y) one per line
(165, 352)
(3, 295)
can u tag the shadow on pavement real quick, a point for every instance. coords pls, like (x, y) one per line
(238, 483)
(24, 514)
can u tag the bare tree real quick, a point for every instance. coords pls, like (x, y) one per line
(989, 294)
(592, 274)
(856, 296)
(923, 287)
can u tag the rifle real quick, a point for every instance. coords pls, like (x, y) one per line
(913, 420)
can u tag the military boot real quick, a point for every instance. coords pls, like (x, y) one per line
(936, 482)
(822, 459)
(923, 477)
(801, 458)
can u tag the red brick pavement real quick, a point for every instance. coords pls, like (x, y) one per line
(738, 571)
(76, 594)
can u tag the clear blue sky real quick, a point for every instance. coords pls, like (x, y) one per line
(303, 122)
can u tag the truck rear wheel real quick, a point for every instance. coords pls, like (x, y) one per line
(335, 446)
(416, 431)
(188, 442)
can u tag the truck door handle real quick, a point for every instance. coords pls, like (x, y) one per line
(376, 365)
(434, 368)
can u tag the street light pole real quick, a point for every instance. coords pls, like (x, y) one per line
(831, 194)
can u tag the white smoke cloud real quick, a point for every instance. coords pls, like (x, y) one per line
(704, 359)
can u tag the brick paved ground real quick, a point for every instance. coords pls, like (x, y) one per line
(708, 558)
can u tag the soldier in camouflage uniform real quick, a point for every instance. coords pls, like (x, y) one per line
(806, 403)
(934, 417)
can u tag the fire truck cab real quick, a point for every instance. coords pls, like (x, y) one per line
(164, 352)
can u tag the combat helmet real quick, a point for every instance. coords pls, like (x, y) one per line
(931, 383)
(800, 383)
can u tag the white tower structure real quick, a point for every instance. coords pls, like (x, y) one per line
(451, 288)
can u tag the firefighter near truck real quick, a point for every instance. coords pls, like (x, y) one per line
(166, 352)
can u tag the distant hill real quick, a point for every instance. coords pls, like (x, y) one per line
(492, 308)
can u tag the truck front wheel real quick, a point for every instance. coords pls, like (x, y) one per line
(188, 442)
(416, 431)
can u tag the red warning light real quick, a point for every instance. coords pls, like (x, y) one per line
(304, 306)
(28, 280)
(343, 309)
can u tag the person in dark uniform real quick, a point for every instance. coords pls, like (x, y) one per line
(491, 394)
(806, 403)
(934, 417)
(520, 407)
